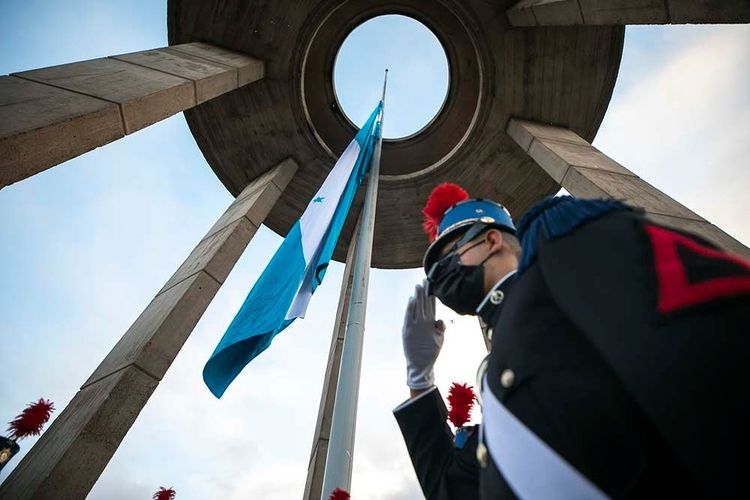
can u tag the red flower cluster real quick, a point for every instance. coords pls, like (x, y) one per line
(460, 402)
(165, 494)
(441, 198)
(339, 494)
(31, 420)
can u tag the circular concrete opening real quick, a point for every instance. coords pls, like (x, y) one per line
(418, 78)
(445, 134)
(559, 76)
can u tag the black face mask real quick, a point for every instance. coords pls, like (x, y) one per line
(457, 285)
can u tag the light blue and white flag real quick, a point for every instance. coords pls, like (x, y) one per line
(283, 291)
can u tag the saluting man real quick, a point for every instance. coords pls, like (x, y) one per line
(618, 355)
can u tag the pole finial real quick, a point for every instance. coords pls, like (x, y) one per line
(385, 82)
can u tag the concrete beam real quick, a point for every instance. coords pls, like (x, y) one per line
(586, 172)
(51, 115)
(317, 464)
(69, 457)
(617, 12)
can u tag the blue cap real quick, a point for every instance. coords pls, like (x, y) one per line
(462, 215)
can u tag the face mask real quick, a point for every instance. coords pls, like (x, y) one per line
(457, 285)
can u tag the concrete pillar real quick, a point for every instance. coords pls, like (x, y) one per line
(615, 12)
(69, 457)
(586, 172)
(317, 464)
(54, 114)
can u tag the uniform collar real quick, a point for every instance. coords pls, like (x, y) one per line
(492, 302)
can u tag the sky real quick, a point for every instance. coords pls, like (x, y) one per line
(87, 244)
(358, 81)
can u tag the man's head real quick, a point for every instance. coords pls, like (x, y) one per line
(473, 247)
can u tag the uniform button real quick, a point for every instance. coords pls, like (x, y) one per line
(497, 297)
(507, 377)
(482, 455)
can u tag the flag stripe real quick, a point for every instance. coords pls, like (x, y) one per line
(257, 321)
(316, 271)
(317, 217)
(283, 291)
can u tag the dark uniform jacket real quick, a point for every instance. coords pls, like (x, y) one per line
(628, 345)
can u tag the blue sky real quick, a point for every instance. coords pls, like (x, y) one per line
(412, 102)
(87, 244)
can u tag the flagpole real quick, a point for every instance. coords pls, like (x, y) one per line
(338, 471)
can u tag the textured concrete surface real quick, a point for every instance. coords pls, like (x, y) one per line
(216, 254)
(69, 457)
(587, 182)
(620, 12)
(155, 338)
(555, 75)
(586, 172)
(557, 149)
(50, 115)
(145, 95)
(210, 79)
(41, 126)
(248, 69)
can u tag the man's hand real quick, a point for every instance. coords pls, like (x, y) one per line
(422, 338)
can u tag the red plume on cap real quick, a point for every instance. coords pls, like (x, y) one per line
(339, 494)
(31, 420)
(441, 198)
(461, 401)
(165, 494)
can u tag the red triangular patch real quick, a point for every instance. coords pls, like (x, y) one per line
(718, 273)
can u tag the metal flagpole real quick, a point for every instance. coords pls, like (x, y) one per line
(338, 471)
(317, 465)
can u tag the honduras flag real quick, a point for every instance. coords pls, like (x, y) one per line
(283, 291)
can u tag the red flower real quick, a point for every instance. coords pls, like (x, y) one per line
(164, 494)
(460, 401)
(339, 494)
(31, 420)
(441, 198)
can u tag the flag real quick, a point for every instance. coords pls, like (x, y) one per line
(283, 291)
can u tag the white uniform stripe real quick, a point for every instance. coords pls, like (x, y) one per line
(532, 469)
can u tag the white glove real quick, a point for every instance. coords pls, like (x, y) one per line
(422, 337)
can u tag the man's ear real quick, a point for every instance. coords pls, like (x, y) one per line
(495, 239)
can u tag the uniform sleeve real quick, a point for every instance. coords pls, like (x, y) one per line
(655, 303)
(444, 471)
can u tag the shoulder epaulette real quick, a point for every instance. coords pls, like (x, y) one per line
(555, 217)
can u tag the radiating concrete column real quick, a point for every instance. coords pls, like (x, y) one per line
(586, 172)
(54, 114)
(317, 464)
(615, 12)
(69, 457)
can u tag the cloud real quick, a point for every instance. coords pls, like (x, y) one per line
(682, 124)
